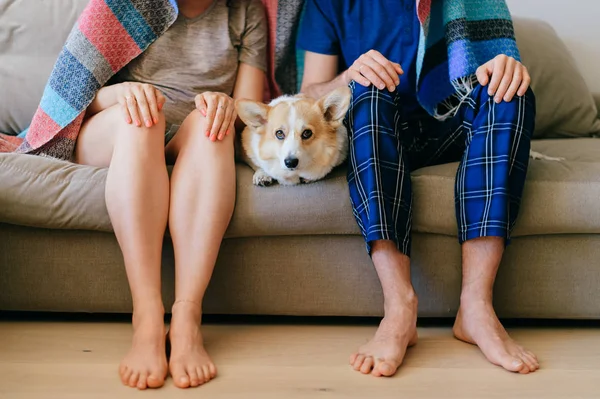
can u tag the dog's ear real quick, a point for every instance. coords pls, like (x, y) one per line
(252, 113)
(335, 104)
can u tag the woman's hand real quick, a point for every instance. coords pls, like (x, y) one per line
(219, 110)
(508, 77)
(374, 68)
(141, 103)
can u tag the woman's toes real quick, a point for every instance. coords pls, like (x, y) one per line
(353, 358)
(141, 384)
(154, 381)
(204, 371)
(194, 380)
(125, 375)
(367, 365)
(213, 370)
(358, 362)
(133, 379)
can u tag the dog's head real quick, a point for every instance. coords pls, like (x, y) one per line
(299, 132)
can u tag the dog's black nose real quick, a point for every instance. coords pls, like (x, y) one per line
(291, 163)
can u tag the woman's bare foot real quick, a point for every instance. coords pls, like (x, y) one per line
(145, 366)
(477, 324)
(189, 364)
(385, 352)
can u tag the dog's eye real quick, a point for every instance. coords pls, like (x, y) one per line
(280, 135)
(306, 134)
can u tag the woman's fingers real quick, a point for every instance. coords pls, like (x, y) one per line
(133, 109)
(225, 126)
(150, 93)
(218, 121)
(125, 111)
(211, 111)
(142, 104)
(201, 104)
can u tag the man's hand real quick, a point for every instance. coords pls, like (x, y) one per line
(372, 67)
(508, 77)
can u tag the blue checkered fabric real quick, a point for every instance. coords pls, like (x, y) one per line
(387, 142)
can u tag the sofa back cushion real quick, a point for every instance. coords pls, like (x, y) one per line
(32, 34)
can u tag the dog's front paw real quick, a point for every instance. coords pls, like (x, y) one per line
(261, 179)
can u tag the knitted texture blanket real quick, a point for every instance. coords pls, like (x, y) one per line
(107, 36)
(457, 37)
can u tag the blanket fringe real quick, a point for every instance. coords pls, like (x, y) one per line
(462, 90)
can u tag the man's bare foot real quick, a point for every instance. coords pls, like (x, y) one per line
(477, 324)
(189, 364)
(385, 352)
(145, 366)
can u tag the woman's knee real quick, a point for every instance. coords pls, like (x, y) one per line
(125, 132)
(193, 134)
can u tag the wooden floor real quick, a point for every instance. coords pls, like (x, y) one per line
(79, 361)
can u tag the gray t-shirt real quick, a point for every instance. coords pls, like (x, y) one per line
(202, 54)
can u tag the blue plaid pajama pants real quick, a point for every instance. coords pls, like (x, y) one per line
(491, 141)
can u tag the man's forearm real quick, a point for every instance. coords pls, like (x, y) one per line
(318, 90)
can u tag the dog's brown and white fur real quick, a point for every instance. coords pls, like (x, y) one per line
(294, 139)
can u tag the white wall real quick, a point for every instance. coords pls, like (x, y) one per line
(577, 23)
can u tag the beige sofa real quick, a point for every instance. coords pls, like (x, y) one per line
(297, 250)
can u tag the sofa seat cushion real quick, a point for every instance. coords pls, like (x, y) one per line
(559, 198)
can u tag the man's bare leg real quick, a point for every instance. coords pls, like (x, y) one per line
(476, 322)
(398, 330)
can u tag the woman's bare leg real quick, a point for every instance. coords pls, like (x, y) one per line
(137, 198)
(202, 202)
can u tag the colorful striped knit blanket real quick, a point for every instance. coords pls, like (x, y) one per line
(107, 36)
(457, 36)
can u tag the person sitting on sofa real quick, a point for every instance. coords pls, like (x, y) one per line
(155, 117)
(485, 120)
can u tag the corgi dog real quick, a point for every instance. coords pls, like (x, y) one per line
(294, 139)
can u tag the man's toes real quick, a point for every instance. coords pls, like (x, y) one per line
(511, 363)
(533, 357)
(155, 380)
(358, 362)
(133, 379)
(530, 362)
(384, 369)
(141, 384)
(193, 374)
(367, 365)
(180, 377)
